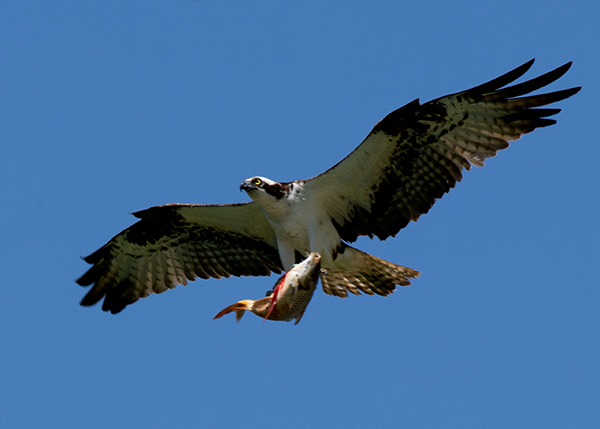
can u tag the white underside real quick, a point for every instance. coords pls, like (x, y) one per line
(300, 224)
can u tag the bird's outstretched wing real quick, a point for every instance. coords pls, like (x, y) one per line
(175, 243)
(417, 153)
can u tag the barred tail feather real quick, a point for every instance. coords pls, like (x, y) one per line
(360, 272)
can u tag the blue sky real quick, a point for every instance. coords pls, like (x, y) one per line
(110, 107)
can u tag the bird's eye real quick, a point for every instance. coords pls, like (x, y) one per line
(257, 182)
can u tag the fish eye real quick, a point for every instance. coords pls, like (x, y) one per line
(256, 181)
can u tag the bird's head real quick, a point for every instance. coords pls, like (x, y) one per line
(260, 188)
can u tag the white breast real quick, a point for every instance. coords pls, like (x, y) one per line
(301, 225)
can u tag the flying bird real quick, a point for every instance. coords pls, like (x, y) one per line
(288, 299)
(411, 158)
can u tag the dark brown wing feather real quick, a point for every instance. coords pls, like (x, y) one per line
(175, 243)
(417, 153)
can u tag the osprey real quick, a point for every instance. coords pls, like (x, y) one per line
(411, 158)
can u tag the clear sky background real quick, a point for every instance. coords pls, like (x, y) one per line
(111, 107)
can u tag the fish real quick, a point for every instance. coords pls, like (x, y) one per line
(290, 295)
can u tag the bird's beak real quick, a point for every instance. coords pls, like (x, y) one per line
(245, 186)
(239, 308)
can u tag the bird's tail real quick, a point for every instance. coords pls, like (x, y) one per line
(356, 271)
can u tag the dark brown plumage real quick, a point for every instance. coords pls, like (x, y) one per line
(431, 143)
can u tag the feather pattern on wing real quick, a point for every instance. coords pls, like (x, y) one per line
(417, 153)
(174, 243)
